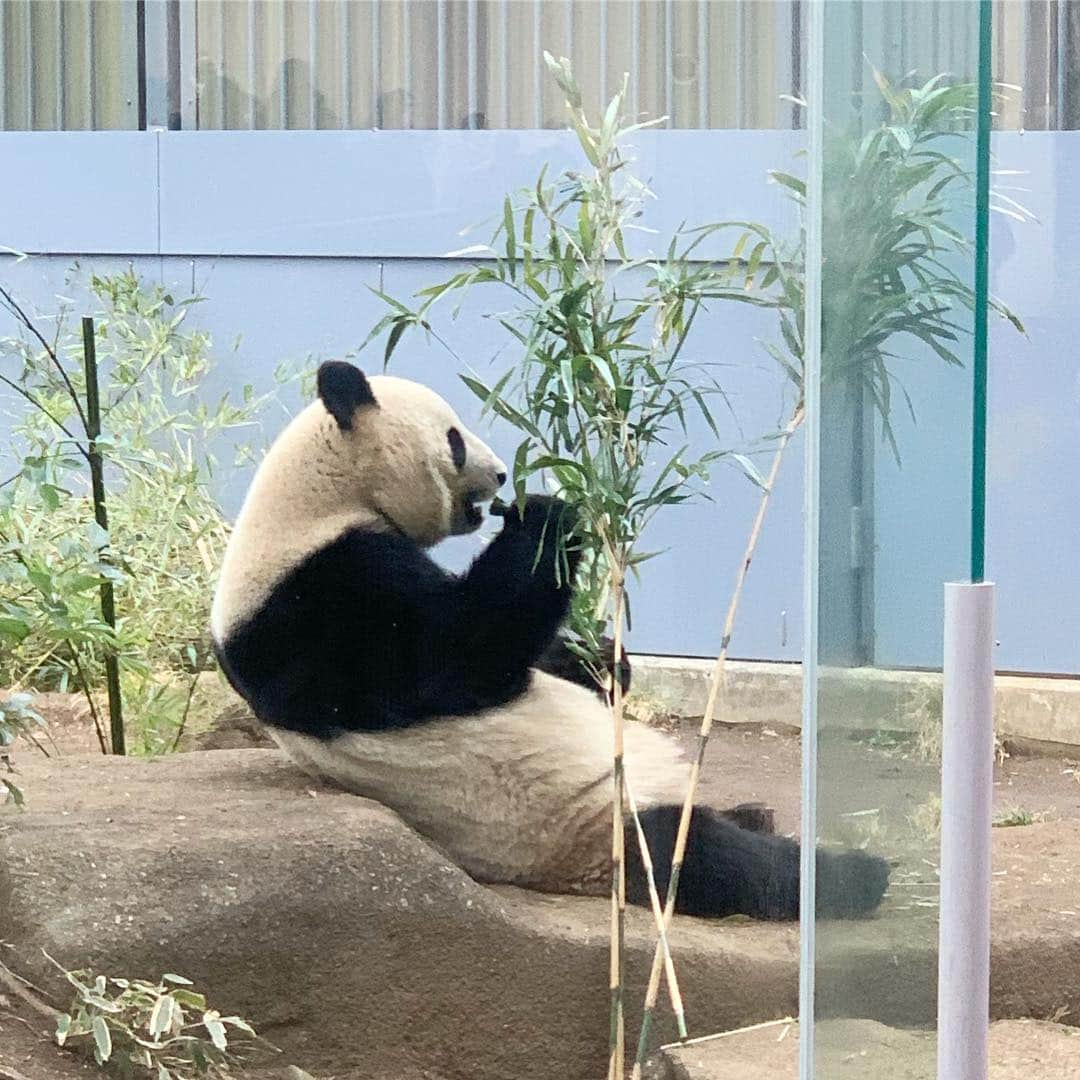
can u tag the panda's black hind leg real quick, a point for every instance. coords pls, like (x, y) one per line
(730, 870)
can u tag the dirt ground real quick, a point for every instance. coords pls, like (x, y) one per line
(863, 1050)
(27, 1051)
(748, 764)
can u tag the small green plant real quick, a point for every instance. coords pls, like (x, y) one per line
(1018, 817)
(162, 1030)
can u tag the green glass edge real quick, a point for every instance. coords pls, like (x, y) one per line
(982, 274)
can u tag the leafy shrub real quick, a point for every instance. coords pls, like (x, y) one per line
(166, 530)
(894, 192)
(601, 394)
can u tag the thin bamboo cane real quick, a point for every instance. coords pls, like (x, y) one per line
(97, 487)
(617, 1038)
(715, 686)
(658, 912)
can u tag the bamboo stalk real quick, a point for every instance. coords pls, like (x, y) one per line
(617, 1039)
(97, 483)
(88, 694)
(658, 913)
(715, 685)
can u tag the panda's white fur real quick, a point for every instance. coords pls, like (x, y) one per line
(518, 794)
(325, 597)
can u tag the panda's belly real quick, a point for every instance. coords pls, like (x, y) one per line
(519, 794)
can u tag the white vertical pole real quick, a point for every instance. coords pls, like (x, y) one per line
(967, 766)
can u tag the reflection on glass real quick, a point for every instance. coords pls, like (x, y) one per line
(897, 295)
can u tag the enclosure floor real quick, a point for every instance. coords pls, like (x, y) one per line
(754, 764)
(861, 1049)
(1036, 903)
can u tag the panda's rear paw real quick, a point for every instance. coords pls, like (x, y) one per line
(850, 883)
(754, 817)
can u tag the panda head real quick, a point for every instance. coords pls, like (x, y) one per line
(403, 454)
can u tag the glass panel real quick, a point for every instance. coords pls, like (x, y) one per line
(898, 292)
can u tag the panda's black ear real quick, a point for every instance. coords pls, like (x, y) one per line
(343, 388)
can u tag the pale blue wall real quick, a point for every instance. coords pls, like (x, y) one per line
(282, 231)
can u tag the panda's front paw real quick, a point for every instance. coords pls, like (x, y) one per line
(539, 512)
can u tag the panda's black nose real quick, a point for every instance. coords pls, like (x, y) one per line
(501, 478)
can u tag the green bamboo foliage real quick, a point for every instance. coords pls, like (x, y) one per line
(601, 391)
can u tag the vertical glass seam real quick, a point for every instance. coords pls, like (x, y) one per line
(811, 507)
(982, 274)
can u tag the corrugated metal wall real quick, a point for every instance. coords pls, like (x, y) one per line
(477, 63)
(68, 65)
(429, 64)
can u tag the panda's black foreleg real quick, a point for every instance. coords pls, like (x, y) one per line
(516, 594)
(728, 870)
(561, 660)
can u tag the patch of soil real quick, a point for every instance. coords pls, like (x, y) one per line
(70, 724)
(27, 1050)
(217, 720)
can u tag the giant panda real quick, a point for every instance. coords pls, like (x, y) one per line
(434, 694)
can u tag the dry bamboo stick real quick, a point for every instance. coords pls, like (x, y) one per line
(658, 913)
(715, 686)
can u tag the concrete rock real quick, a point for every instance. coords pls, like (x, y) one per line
(1019, 1050)
(345, 938)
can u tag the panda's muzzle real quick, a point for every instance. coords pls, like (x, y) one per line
(484, 478)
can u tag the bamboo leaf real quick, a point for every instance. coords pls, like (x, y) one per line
(161, 1016)
(566, 369)
(508, 229)
(392, 340)
(102, 1040)
(750, 471)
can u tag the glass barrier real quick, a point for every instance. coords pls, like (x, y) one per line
(898, 159)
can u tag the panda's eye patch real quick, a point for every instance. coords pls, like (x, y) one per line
(457, 448)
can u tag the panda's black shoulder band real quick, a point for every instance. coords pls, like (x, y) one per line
(343, 388)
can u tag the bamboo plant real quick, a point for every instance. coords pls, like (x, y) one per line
(600, 395)
(112, 404)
